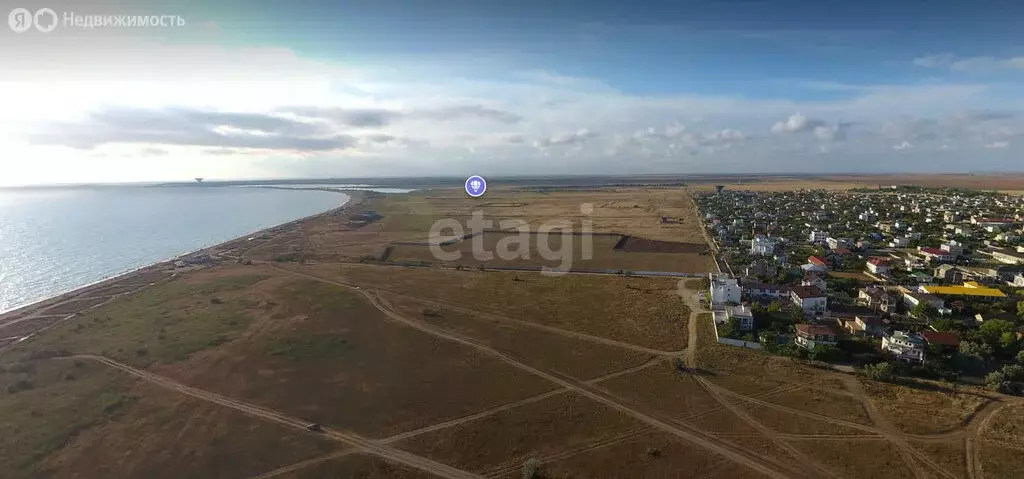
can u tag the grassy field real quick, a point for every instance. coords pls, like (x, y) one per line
(509, 438)
(554, 251)
(78, 418)
(643, 311)
(163, 324)
(869, 458)
(923, 411)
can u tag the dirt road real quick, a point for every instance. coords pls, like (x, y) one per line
(353, 440)
(689, 433)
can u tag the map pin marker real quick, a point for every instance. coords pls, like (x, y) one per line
(475, 186)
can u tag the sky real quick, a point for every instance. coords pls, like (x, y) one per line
(369, 88)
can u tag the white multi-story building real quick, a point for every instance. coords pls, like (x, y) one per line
(724, 289)
(762, 246)
(744, 316)
(818, 237)
(954, 247)
(809, 298)
(904, 345)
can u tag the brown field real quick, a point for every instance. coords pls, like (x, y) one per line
(642, 311)
(820, 402)
(874, 458)
(328, 356)
(1001, 462)
(632, 458)
(664, 389)
(357, 465)
(863, 278)
(791, 423)
(577, 358)
(920, 411)
(510, 437)
(580, 252)
(84, 420)
(947, 454)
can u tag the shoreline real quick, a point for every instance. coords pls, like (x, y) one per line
(354, 198)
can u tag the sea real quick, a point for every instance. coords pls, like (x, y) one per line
(55, 240)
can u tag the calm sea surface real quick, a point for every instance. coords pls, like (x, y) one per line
(55, 240)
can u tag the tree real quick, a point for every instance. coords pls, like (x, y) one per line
(923, 309)
(976, 350)
(993, 330)
(1020, 357)
(531, 468)
(775, 306)
(944, 324)
(1020, 309)
(880, 372)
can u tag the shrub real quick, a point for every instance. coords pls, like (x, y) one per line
(880, 372)
(531, 468)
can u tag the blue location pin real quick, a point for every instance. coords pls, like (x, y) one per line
(476, 186)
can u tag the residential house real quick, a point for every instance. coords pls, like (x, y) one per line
(817, 237)
(936, 255)
(912, 299)
(809, 298)
(1006, 255)
(724, 289)
(953, 247)
(899, 242)
(762, 246)
(878, 298)
(944, 340)
(818, 261)
(766, 291)
(948, 273)
(904, 345)
(744, 316)
(760, 268)
(1018, 280)
(810, 336)
(814, 279)
(879, 265)
(834, 243)
(862, 326)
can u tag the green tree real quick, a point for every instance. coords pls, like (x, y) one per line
(976, 350)
(1020, 309)
(775, 306)
(993, 330)
(880, 372)
(1020, 357)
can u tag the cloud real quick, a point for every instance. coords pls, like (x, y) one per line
(796, 123)
(979, 64)
(578, 137)
(902, 146)
(380, 117)
(186, 127)
(997, 145)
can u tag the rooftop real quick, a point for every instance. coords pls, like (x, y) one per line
(808, 292)
(941, 338)
(967, 289)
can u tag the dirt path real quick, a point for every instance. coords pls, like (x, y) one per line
(528, 324)
(688, 433)
(353, 440)
(892, 434)
(975, 429)
(303, 464)
(693, 303)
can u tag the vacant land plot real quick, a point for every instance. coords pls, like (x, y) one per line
(742, 369)
(568, 251)
(644, 311)
(665, 389)
(357, 465)
(327, 355)
(162, 324)
(578, 358)
(1006, 426)
(791, 423)
(819, 402)
(78, 418)
(508, 438)
(949, 454)
(654, 454)
(1001, 462)
(28, 326)
(861, 277)
(857, 458)
(920, 411)
(160, 434)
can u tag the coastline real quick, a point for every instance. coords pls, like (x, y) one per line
(157, 268)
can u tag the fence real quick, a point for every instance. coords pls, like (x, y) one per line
(733, 342)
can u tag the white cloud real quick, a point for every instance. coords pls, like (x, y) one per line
(979, 64)
(998, 145)
(796, 123)
(902, 146)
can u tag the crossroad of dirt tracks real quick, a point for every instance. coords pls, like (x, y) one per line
(799, 465)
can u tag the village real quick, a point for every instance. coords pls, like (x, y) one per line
(894, 281)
